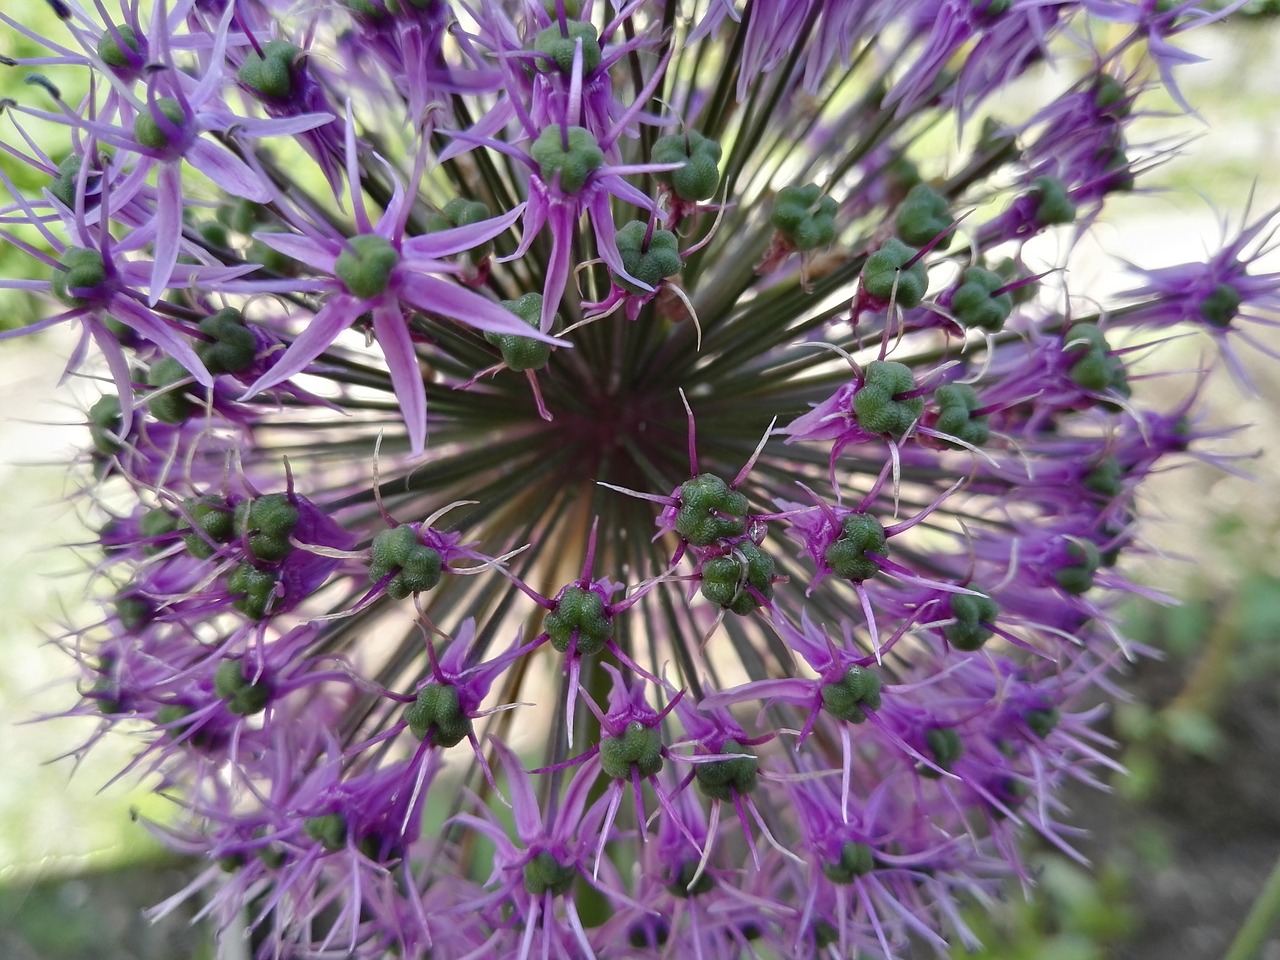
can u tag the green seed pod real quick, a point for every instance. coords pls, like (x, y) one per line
(639, 748)
(113, 54)
(680, 885)
(545, 873)
(243, 696)
(1053, 205)
(852, 695)
(390, 550)
(233, 346)
(147, 129)
(887, 267)
(728, 580)
(1096, 369)
(725, 779)
(972, 614)
(271, 74)
(255, 589)
(1221, 306)
(945, 745)
(876, 404)
(461, 212)
(976, 304)
(584, 613)
(956, 403)
(104, 425)
(523, 353)
(438, 712)
(1106, 478)
(329, 830)
(856, 860)
(557, 49)
(710, 511)
(174, 406)
(804, 217)
(860, 534)
(132, 611)
(924, 215)
(1077, 578)
(699, 178)
(157, 524)
(651, 264)
(1042, 722)
(79, 268)
(419, 573)
(365, 265)
(213, 519)
(575, 164)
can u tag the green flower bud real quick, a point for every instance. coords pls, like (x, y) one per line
(660, 259)
(710, 511)
(271, 74)
(523, 353)
(79, 268)
(852, 695)
(876, 406)
(887, 267)
(243, 696)
(560, 48)
(544, 872)
(724, 779)
(956, 403)
(147, 129)
(976, 303)
(639, 748)
(700, 175)
(729, 580)
(972, 613)
(924, 215)
(438, 712)
(804, 217)
(856, 860)
(582, 612)
(113, 54)
(365, 265)
(573, 164)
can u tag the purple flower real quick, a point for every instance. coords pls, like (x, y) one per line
(573, 677)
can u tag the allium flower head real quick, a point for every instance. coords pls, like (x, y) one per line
(605, 431)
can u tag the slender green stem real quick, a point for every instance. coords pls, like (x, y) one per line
(1260, 921)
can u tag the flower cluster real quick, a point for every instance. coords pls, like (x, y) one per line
(603, 478)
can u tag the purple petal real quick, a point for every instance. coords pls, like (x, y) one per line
(150, 327)
(334, 317)
(406, 378)
(524, 805)
(320, 254)
(434, 295)
(446, 243)
(794, 690)
(228, 171)
(168, 227)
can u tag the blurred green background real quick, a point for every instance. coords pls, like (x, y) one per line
(1180, 847)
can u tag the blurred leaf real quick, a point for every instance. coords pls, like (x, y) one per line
(1193, 732)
